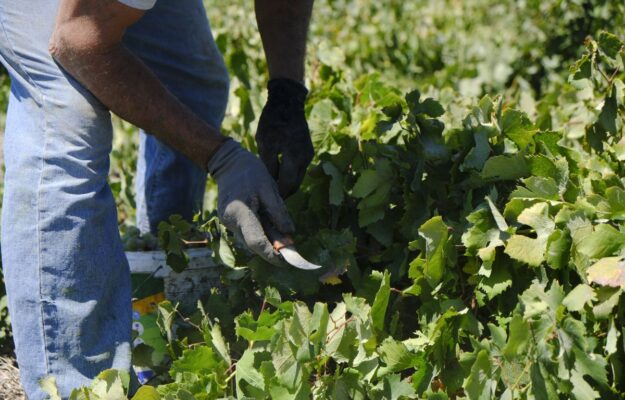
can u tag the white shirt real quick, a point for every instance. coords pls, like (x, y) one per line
(140, 4)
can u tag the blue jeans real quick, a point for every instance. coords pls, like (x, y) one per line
(67, 278)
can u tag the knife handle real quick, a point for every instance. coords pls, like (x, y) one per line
(277, 239)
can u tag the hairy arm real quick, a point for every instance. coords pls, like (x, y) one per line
(283, 27)
(87, 43)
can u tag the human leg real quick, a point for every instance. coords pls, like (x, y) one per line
(67, 278)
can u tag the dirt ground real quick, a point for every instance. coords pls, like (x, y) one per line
(10, 387)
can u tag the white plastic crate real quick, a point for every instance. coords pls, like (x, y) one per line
(186, 287)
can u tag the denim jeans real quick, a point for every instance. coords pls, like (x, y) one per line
(67, 278)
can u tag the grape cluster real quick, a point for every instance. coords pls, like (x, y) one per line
(134, 241)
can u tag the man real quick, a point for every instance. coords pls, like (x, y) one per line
(156, 65)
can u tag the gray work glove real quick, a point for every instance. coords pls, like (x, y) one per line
(283, 136)
(248, 193)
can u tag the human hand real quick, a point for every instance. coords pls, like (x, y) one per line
(248, 193)
(283, 136)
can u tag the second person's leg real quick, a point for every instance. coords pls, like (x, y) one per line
(174, 39)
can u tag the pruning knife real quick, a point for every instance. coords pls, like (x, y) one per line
(286, 248)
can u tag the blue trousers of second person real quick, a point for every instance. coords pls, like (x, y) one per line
(67, 278)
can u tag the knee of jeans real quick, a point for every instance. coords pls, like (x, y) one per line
(79, 120)
(72, 100)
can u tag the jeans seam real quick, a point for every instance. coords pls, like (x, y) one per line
(43, 102)
(149, 187)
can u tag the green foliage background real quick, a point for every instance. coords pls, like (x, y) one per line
(467, 202)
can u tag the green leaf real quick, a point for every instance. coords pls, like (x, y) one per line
(146, 393)
(432, 108)
(592, 365)
(542, 166)
(424, 373)
(288, 355)
(357, 306)
(558, 249)
(608, 115)
(336, 191)
(609, 271)
(319, 325)
(505, 168)
(380, 303)
(497, 283)
(541, 387)
(247, 372)
(394, 388)
(516, 126)
(219, 344)
(619, 149)
(256, 330)
(526, 250)
(272, 296)
(48, 385)
(499, 219)
(367, 183)
(478, 155)
(578, 297)
(479, 383)
(610, 44)
(319, 119)
(349, 386)
(395, 355)
(429, 107)
(529, 250)
(537, 217)
(582, 69)
(538, 187)
(226, 255)
(581, 389)
(197, 360)
(612, 339)
(111, 384)
(518, 338)
(165, 320)
(436, 234)
(604, 241)
(616, 199)
(178, 262)
(607, 299)
(483, 233)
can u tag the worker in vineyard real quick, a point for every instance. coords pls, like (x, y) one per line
(155, 64)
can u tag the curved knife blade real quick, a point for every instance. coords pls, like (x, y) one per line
(292, 257)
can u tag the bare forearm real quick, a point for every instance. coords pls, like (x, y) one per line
(128, 88)
(283, 26)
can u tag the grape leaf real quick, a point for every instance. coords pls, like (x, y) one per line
(578, 297)
(505, 168)
(479, 384)
(436, 234)
(380, 303)
(516, 126)
(529, 250)
(198, 360)
(518, 338)
(581, 389)
(146, 393)
(609, 271)
(610, 44)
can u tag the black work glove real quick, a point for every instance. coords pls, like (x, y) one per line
(283, 137)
